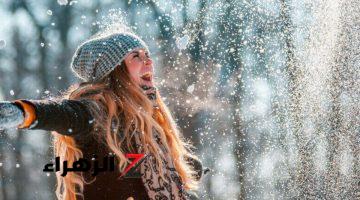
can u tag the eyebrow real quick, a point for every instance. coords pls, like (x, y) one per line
(134, 52)
(146, 53)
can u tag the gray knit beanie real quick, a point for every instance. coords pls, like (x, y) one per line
(97, 57)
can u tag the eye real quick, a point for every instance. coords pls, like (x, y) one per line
(136, 55)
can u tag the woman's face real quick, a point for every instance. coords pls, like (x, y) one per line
(140, 67)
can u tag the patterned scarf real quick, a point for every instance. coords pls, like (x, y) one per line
(158, 189)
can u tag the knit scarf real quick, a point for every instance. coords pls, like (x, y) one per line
(157, 188)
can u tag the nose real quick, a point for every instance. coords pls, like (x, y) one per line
(147, 61)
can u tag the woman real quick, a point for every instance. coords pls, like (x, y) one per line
(116, 111)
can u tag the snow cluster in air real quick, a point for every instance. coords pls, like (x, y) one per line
(182, 42)
(62, 2)
(239, 79)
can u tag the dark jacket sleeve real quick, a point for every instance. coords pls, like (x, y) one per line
(67, 117)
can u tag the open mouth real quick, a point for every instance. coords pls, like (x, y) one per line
(147, 76)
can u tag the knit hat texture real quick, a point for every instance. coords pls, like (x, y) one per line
(97, 57)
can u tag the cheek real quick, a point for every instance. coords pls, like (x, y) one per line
(134, 70)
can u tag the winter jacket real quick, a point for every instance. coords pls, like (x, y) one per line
(73, 118)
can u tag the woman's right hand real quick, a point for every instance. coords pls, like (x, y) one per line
(11, 115)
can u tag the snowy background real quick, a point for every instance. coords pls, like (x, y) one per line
(267, 90)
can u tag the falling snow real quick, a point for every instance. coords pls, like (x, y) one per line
(191, 88)
(49, 12)
(267, 90)
(182, 42)
(62, 2)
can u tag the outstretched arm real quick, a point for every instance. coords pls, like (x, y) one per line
(68, 117)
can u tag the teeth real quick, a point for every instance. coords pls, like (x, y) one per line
(146, 75)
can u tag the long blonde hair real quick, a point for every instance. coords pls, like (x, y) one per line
(123, 105)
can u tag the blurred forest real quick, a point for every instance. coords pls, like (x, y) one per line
(267, 90)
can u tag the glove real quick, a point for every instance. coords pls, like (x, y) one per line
(149, 91)
(11, 115)
(197, 165)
